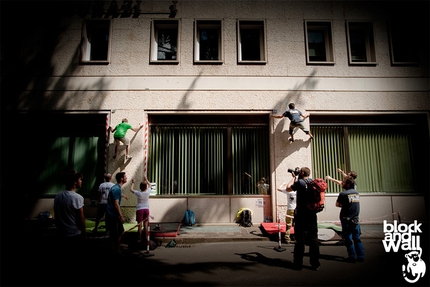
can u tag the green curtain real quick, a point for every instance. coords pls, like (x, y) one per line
(381, 156)
(328, 154)
(84, 154)
(193, 160)
(249, 158)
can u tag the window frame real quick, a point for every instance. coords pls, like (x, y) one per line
(326, 27)
(252, 24)
(208, 24)
(412, 122)
(394, 32)
(231, 171)
(370, 49)
(86, 46)
(156, 25)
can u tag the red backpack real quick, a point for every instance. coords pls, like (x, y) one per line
(315, 194)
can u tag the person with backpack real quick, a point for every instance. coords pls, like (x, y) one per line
(349, 202)
(296, 121)
(305, 222)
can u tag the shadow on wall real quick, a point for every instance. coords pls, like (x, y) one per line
(27, 67)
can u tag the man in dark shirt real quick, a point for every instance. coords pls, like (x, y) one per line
(296, 121)
(305, 222)
(349, 202)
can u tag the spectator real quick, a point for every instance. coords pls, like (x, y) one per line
(103, 193)
(339, 182)
(114, 217)
(69, 207)
(349, 202)
(142, 207)
(291, 206)
(305, 222)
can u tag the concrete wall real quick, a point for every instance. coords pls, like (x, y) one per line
(131, 87)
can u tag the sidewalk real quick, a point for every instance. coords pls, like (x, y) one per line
(232, 233)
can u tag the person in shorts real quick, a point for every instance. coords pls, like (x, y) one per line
(119, 136)
(296, 118)
(142, 207)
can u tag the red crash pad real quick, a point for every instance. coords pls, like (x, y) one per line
(272, 227)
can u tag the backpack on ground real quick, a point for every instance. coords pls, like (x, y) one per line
(189, 218)
(315, 194)
(246, 218)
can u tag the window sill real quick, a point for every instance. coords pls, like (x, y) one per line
(95, 62)
(320, 63)
(209, 62)
(252, 62)
(164, 62)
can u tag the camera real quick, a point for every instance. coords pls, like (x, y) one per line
(296, 171)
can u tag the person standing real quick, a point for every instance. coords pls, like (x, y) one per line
(305, 222)
(114, 217)
(349, 202)
(339, 182)
(296, 118)
(103, 193)
(142, 207)
(69, 207)
(119, 136)
(291, 206)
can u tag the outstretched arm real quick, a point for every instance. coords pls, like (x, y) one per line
(136, 129)
(333, 179)
(342, 172)
(132, 186)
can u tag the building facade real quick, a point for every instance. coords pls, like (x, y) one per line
(205, 78)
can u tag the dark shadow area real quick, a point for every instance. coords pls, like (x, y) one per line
(34, 120)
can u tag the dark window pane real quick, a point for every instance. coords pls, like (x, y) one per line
(250, 42)
(209, 39)
(317, 46)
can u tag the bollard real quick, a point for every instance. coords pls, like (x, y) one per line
(279, 248)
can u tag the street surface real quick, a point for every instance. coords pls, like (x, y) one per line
(250, 263)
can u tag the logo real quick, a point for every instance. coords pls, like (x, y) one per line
(405, 237)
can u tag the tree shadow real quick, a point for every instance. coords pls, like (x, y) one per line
(35, 96)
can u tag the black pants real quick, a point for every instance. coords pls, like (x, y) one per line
(306, 233)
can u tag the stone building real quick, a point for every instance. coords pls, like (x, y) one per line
(204, 79)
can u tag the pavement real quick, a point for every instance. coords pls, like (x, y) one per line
(234, 232)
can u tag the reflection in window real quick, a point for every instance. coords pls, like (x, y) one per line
(208, 41)
(319, 42)
(165, 39)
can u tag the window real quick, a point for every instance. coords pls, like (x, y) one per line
(361, 43)
(165, 41)
(404, 42)
(80, 144)
(251, 38)
(204, 154)
(319, 41)
(385, 154)
(208, 41)
(95, 47)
